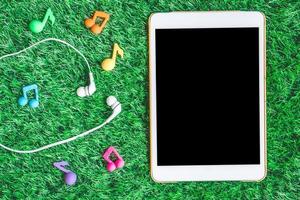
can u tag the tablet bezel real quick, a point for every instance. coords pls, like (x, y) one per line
(223, 19)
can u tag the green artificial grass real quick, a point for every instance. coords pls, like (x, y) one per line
(58, 71)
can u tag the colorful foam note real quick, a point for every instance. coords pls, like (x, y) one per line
(37, 26)
(109, 63)
(70, 177)
(23, 100)
(91, 22)
(112, 165)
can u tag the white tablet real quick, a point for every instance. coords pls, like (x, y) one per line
(207, 96)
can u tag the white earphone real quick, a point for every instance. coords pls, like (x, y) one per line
(115, 105)
(87, 90)
(111, 101)
(82, 91)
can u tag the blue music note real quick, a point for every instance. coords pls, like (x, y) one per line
(23, 100)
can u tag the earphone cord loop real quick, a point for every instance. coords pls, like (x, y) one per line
(63, 141)
(56, 143)
(46, 40)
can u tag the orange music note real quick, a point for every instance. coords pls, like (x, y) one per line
(109, 63)
(91, 22)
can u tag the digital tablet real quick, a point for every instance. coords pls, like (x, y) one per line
(207, 96)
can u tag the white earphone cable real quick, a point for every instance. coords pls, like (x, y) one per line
(71, 138)
(46, 40)
(56, 143)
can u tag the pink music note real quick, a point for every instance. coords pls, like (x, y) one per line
(112, 165)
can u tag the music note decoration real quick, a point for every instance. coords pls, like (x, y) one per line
(109, 64)
(112, 165)
(91, 22)
(69, 176)
(23, 100)
(37, 26)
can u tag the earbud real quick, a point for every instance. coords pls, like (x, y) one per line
(115, 105)
(87, 90)
(117, 108)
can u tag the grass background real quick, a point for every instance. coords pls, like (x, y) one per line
(59, 71)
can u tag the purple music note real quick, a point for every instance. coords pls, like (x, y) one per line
(70, 177)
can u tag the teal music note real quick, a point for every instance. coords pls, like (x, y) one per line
(23, 100)
(37, 26)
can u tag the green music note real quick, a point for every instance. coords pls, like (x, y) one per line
(37, 26)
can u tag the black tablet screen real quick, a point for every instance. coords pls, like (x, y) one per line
(207, 96)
